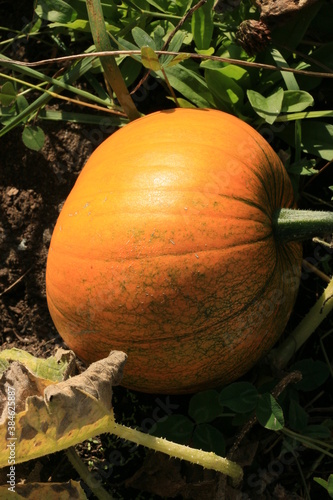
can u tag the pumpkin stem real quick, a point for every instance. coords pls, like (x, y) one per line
(296, 225)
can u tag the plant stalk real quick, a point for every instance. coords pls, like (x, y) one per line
(86, 476)
(304, 330)
(112, 72)
(298, 225)
(206, 459)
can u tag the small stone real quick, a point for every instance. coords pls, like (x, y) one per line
(13, 191)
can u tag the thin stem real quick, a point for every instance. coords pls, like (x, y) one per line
(314, 444)
(206, 459)
(204, 57)
(305, 329)
(112, 72)
(86, 476)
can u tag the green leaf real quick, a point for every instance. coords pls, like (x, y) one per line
(296, 100)
(21, 105)
(269, 413)
(142, 39)
(303, 167)
(208, 438)
(328, 485)
(317, 138)
(78, 24)
(177, 59)
(223, 87)
(177, 428)
(314, 374)
(202, 25)
(33, 137)
(289, 78)
(53, 368)
(297, 417)
(317, 432)
(7, 94)
(324, 54)
(240, 397)
(158, 6)
(204, 406)
(268, 108)
(191, 85)
(174, 46)
(55, 11)
(150, 59)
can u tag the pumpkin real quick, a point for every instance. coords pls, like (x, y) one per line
(166, 249)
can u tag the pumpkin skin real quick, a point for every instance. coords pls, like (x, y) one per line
(164, 249)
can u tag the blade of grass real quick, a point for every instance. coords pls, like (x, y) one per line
(112, 72)
(80, 118)
(64, 82)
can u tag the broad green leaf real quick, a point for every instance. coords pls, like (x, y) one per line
(324, 54)
(208, 438)
(123, 44)
(7, 94)
(317, 432)
(297, 416)
(269, 413)
(240, 397)
(158, 35)
(21, 105)
(150, 59)
(303, 167)
(142, 39)
(177, 428)
(53, 368)
(206, 52)
(328, 485)
(177, 41)
(78, 24)
(296, 100)
(317, 138)
(33, 137)
(223, 87)
(130, 70)
(202, 25)
(55, 11)
(268, 108)
(161, 5)
(191, 85)
(204, 406)
(314, 374)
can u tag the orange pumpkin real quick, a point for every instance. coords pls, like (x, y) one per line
(165, 249)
